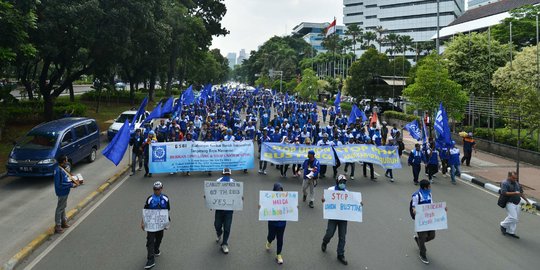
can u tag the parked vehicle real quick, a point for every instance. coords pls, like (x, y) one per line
(35, 154)
(119, 122)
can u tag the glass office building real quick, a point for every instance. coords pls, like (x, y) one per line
(313, 33)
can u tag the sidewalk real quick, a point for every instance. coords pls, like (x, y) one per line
(494, 169)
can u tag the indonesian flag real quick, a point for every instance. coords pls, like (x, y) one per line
(331, 28)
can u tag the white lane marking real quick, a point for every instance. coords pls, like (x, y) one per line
(73, 226)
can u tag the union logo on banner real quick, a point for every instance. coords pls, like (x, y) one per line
(159, 153)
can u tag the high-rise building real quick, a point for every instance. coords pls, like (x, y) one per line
(313, 33)
(479, 3)
(241, 57)
(415, 18)
(232, 59)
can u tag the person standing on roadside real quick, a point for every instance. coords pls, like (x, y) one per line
(276, 230)
(422, 196)
(511, 189)
(158, 200)
(311, 168)
(468, 146)
(136, 142)
(63, 182)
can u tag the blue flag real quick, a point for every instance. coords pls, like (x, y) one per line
(356, 113)
(256, 91)
(156, 113)
(168, 106)
(338, 102)
(140, 111)
(442, 127)
(117, 147)
(188, 96)
(424, 134)
(414, 130)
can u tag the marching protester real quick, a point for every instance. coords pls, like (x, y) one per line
(350, 164)
(389, 173)
(311, 173)
(276, 230)
(223, 218)
(146, 151)
(63, 183)
(340, 225)
(158, 200)
(324, 142)
(137, 152)
(453, 162)
(262, 138)
(415, 160)
(432, 162)
(422, 196)
(512, 192)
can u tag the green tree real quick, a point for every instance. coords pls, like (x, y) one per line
(518, 84)
(362, 72)
(308, 87)
(368, 37)
(471, 61)
(523, 21)
(401, 66)
(392, 40)
(432, 85)
(17, 18)
(355, 32)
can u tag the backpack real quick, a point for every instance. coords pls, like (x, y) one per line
(411, 206)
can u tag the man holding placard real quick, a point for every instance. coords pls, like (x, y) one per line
(340, 205)
(311, 173)
(155, 220)
(428, 217)
(223, 218)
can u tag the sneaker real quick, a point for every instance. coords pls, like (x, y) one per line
(245, 170)
(424, 259)
(149, 175)
(140, 169)
(264, 172)
(145, 175)
(218, 238)
(304, 198)
(188, 173)
(323, 247)
(454, 183)
(374, 179)
(268, 245)
(342, 260)
(431, 181)
(392, 180)
(157, 253)
(209, 174)
(225, 249)
(149, 264)
(131, 173)
(279, 259)
(503, 230)
(260, 172)
(513, 235)
(352, 177)
(416, 240)
(310, 204)
(58, 229)
(416, 183)
(345, 169)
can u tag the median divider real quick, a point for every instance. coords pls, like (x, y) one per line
(40, 239)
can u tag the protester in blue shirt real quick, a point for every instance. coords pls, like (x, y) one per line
(311, 168)
(454, 162)
(63, 182)
(158, 200)
(415, 160)
(223, 218)
(432, 162)
(276, 230)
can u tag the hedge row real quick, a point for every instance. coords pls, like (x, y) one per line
(32, 111)
(504, 136)
(123, 96)
(400, 116)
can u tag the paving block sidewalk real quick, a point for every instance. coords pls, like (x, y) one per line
(494, 168)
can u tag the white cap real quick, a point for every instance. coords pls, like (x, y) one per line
(158, 185)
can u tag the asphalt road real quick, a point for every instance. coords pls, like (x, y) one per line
(27, 204)
(110, 236)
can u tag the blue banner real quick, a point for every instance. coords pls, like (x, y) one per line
(200, 156)
(386, 156)
(280, 153)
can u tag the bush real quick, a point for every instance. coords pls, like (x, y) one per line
(32, 111)
(400, 116)
(504, 136)
(120, 96)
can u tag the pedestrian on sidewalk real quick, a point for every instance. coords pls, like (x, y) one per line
(415, 160)
(223, 218)
(276, 230)
(468, 146)
(334, 224)
(454, 162)
(311, 168)
(511, 189)
(137, 152)
(158, 200)
(422, 196)
(63, 183)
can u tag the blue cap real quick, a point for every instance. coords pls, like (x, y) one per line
(277, 187)
(311, 152)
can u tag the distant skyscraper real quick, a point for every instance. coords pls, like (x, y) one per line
(415, 18)
(479, 3)
(241, 56)
(232, 59)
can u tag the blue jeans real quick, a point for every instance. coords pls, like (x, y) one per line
(276, 232)
(454, 170)
(341, 225)
(222, 224)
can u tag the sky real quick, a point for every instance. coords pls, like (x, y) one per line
(252, 22)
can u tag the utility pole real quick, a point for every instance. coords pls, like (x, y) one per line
(437, 42)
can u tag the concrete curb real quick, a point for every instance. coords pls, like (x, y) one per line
(486, 185)
(40, 239)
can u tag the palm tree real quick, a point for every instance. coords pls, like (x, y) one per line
(380, 36)
(392, 40)
(368, 38)
(355, 32)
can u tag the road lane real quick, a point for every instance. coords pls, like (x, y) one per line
(110, 238)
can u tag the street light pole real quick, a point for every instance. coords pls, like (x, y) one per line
(437, 42)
